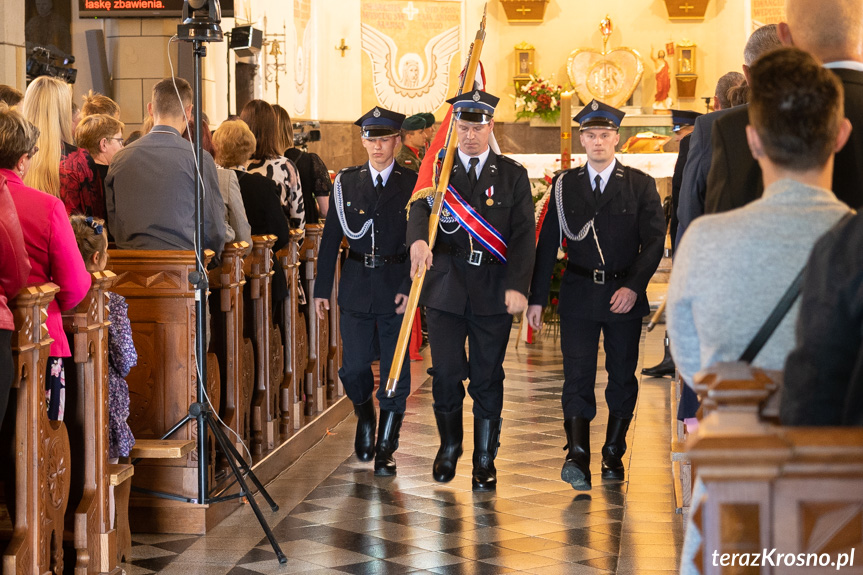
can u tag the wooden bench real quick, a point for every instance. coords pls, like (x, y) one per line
(228, 343)
(42, 453)
(267, 342)
(334, 348)
(163, 383)
(292, 322)
(316, 369)
(798, 490)
(86, 327)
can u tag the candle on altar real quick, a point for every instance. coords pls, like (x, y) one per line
(565, 130)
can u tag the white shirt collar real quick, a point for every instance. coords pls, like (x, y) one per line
(847, 64)
(604, 174)
(385, 174)
(465, 160)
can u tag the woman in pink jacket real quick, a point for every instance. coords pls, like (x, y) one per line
(16, 267)
(49, 240)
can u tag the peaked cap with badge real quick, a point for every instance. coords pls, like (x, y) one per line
(380, 122)
(476, 107)
(599, 115)
(681, 118)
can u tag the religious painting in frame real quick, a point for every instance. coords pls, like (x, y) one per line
(47, 24)
(411, 49)
(302, 32)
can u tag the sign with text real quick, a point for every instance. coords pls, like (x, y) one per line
(767, 12)
(140, 8)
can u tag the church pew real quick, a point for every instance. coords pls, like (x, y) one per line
(267, 341)
(316, 369)
(334, 349)
(798, 490)
(41, 447)
(86, 327)
(163, 383)
(294, 336)
(234, 351)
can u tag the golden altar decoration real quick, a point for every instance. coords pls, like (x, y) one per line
(610, 76)
(526, 11)
(686, 9)
(524, 65)
(686, 76)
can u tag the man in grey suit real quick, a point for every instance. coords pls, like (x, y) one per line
(833, 33)
(694, 186)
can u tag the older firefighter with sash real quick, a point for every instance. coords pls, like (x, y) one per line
(478, 276)
(368, 207)
(608, 218)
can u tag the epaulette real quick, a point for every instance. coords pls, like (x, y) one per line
(351, 169)
(639, 172)
(510, 160)
(419, 195)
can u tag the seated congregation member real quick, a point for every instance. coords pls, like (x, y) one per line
(10, 96)
(259, 195)
(314, 177)
(62, 170)
(15, 264)
(472, 292)
(150, 187)
(732, 269)
(612, 220)
(102, 136)
(236, 225)
(49, 241)
(369, 201)
(96, 103)
(268, 161)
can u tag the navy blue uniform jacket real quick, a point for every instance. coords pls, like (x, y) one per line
(630, 226)
(452, 281)
(363, 289)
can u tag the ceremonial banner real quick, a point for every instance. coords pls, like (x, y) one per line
(767, 12)
(412, 53)
(302, 37)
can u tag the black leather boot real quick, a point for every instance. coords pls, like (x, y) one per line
(486, 435)
(614, 448)
(664, 367)
(364, 443)
(576, 467)
(388, 442)
(449, 426)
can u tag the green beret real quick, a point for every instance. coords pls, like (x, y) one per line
(429, 118)
(415, 122)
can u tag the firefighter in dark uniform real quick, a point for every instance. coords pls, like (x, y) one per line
(614, 231)
(413, 143)
(368, 207)
(469, 292)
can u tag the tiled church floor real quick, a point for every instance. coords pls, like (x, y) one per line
(336, 517)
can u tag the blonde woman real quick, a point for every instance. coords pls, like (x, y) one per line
(102, 136)
(64, 171)
(96, 103)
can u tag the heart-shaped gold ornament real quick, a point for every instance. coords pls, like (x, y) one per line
(610, 77)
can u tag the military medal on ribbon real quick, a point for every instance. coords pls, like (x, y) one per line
(489, 192)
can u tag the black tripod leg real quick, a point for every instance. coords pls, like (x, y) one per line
(248, 470)
(232, 460)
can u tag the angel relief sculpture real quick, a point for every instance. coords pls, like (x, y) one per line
(410, 84)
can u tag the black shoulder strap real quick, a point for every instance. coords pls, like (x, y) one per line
(788, 299)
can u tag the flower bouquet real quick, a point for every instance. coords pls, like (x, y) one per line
(540, 98)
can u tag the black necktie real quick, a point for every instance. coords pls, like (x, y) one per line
(597, 190)
(379, 187)
(471, 172)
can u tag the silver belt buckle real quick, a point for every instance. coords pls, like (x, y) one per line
(475, 258)
(599, 277)
(369, 260)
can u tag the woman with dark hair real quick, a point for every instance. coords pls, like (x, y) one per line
(50, 243)
(269, 161)
(314, 177)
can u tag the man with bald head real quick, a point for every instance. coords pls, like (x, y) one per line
(833, 33)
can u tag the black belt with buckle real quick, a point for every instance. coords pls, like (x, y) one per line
(474, 258)
(598, 276)
(376, 261)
